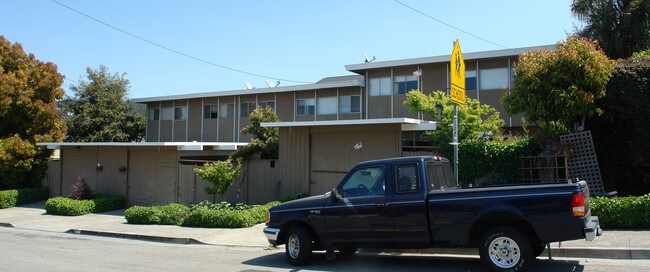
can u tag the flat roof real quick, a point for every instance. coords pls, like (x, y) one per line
(326, 83)
(359, 68)
(179, 145)
(429, 125)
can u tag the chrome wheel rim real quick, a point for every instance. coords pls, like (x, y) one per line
(293, 246)
(504, 252)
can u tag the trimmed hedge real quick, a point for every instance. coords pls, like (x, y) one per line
(172, 214)
(206, 215)
(70, 207)
(13, 198)
(622, 212)
(208, 218)
(480, 161)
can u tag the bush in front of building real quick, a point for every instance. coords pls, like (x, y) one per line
(632, 212)
(172, 214)
(71, 207)
(228, 218)
(13, 198)
(203, 215)
(490, 160)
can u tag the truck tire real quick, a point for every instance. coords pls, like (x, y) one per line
(505, 249)
(298, 246)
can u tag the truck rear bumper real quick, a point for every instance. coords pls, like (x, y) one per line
(272, 235)
(592, 228)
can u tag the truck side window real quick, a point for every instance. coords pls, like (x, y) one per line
(408, 180)
(365, 182)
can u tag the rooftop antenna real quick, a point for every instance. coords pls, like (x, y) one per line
(368, 59)
(248, 85)
(272, 84)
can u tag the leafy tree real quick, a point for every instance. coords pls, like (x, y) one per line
(264, 141)
(221, 174)
(620, 26)
(621, 134)
(29, 89)
(100, 111)
(554, 89)
(473, 118)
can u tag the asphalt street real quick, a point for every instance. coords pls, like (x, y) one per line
(35, 250)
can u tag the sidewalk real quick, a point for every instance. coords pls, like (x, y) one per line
(614, 244)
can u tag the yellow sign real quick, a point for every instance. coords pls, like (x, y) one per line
(457, 75)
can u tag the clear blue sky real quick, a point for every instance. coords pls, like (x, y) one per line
(296, 40)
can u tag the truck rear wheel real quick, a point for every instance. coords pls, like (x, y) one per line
(505, 249)
(298, 246)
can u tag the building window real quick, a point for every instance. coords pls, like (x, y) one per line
(493, 79)
(227, 111)
(245, 108)
(304, 107)
(211, 111)
(167, 114)
(153, 115)
(180, 113)
(326, 105)
(379, 86)
(350, 104)
(470, 80)
(404, 84)
(416, 141)
(264, 104)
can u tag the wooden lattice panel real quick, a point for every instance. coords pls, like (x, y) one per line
(583, 164)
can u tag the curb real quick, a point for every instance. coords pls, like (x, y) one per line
(160, 239)
(601, 253)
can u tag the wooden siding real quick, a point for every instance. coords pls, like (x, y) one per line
(294, 149)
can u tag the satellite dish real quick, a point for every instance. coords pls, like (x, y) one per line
(248, 85)
(272, 84)
(368, 59)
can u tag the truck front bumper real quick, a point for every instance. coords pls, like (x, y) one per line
(592, 228)
(272, 235)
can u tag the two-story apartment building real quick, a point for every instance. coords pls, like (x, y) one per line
(325, 127)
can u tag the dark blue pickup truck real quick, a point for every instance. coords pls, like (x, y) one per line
(413, 202)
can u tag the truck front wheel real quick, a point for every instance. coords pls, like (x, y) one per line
(505, 249)
(298, 246)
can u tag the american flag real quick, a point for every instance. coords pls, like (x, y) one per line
(359, 145)
(417, 73)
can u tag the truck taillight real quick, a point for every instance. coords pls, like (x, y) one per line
(268, 217)
(578, 204)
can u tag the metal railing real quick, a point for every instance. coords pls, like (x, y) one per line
(548, 169)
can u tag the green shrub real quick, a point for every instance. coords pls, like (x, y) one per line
(70, 207)
(622, 212)
(105, 203)
(172, 214)
(12, 198)
(479, 160)
(219, 219)
(209, 218)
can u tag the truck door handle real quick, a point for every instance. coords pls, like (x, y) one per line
(380, 205)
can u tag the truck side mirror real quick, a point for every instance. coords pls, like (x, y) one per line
(336, 194)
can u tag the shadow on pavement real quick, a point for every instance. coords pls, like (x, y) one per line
(368, 262)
